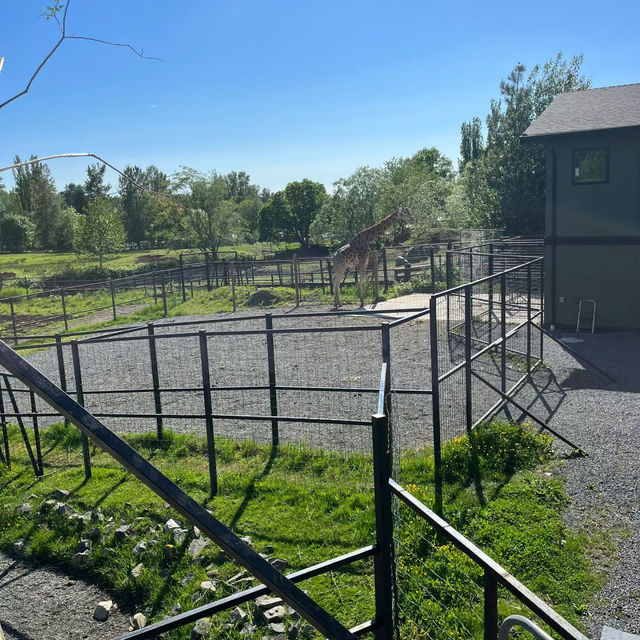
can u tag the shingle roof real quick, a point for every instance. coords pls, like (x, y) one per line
(589, 110)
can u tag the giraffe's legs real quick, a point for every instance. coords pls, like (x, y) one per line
(362, 276)
(339, 269)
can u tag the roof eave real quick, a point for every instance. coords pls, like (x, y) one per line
(544, 137)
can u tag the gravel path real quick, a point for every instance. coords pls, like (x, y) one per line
(603, 417)
(38, 603)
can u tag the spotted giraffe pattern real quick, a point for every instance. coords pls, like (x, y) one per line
(357, 252)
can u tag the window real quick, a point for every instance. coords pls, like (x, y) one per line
(590, 166)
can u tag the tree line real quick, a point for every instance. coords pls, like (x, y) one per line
(499, 183)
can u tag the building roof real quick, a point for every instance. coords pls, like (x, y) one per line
(589, 110)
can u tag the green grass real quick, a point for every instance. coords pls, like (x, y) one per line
(307, 506)
(37, 264)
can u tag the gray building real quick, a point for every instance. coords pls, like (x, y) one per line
(592, 219)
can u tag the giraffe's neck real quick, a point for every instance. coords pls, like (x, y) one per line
(376, 230)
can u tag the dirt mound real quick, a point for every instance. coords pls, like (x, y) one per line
(262, 298)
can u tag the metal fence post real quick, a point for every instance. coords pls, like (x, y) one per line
(541, 316)
(36, 431)
(273, 393)
(113, 299)
(155, 378)
(384, 556)
(503, 333)
(330, 273)
(206, 267)
(64, 310)
(184, 291)
(376, 282)
(467, 357)
(432, 266)
(295, 265)
(385, 273)
(164, 296)
(491, 292)
(206, 390)
(322, 275)
(5, 435)
(232, 276)
(77, 374)
(155, 290)
(61, 369)
(435, 402)
(490, 606)
(13, 323)
(529, 318)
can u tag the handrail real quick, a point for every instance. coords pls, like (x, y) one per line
(197, 515)
(526, 624)
(527, 597)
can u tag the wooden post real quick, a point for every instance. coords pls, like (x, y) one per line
(61, 369)
(273, 393)
(184, 290)
(206, 390)
(233, 284)
(164, 296)
(206, 267)
(376, 283)
(155, 379)
(64, 310)
(113, 299)
(295, 266)
(77, 374)
(385, 270)
(322, 275)
(13, 323)
(330, 274)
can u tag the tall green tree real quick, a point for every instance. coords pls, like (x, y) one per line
(99, 232)
(290, 213)
(73, 195)
(505, 183)
(94, 185)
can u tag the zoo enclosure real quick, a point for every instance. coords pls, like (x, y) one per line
(392, 614)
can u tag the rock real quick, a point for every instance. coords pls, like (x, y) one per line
(79, 560)
(306, 631)
(212, 571)
(97, 516)
(60, 494)
(186, 579)
(179, 535)
(268, 602)
(169, 552)
(83, 545)
(277, 627)
(102, 610)
(63, 509)
(201, 629)
(24, 509)
(293, 614)
(122, 533)
(139, 621)
(170, 525)
(269, 549)
(249, 630)
(140, 547)
(275, 614)
(136, 571)
(208, 585)
(247, 540)
(237, 616)
(196, 532)
(237, 577)
(278, 564)
(176, 609)
(197, 546)
(93, 534)
(19, 547)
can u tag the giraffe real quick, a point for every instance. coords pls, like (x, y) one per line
(357, 252)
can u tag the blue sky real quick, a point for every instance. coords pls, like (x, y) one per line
(284, 90)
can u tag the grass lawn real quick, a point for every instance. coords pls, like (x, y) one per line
(37, 264)
(305, 506)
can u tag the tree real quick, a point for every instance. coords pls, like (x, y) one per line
(290, 213)
(95, 187)
(239, 186)
(99, 232)
(73, 195)
(16, 233)
(471, 142)
(505, 184)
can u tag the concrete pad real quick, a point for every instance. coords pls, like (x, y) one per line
(609, 633)
(410, 301)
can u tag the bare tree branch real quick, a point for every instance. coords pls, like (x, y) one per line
(63, 37)
(93, 155)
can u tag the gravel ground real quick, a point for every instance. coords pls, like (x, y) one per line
(38, 603)
(603, 417)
